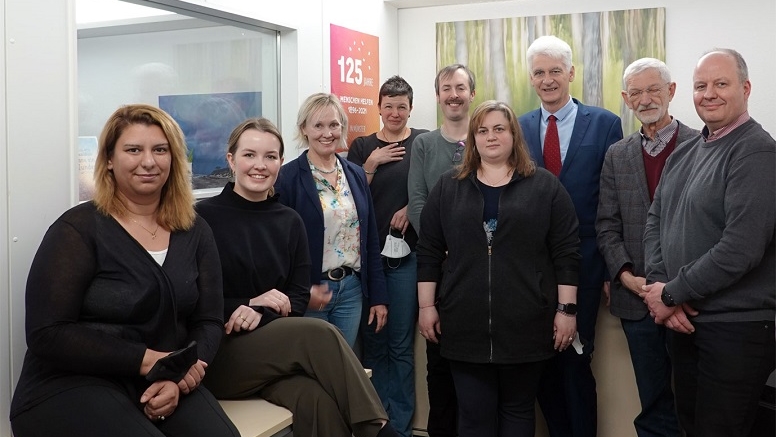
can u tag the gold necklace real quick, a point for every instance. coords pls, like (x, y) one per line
(153, 234)
(482, 173)
(401, 137)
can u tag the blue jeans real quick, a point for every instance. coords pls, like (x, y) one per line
(652, 367)
(344, 308)
(389, 353)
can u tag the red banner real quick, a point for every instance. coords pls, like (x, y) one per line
(355, 76)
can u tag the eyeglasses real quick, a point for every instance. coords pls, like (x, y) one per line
(652, 91)
(458, 155)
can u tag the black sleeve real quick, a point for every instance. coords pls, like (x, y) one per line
(297, 286)
(61, 272)
(432, 246)
(356, 151)
(206, 323)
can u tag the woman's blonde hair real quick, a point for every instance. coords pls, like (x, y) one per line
(519, 159)
(176, 205)
(315, 103)
(260, 124)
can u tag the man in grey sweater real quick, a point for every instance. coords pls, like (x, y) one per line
(710, 255)
(433, 153)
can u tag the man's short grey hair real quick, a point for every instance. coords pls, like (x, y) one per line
(551, 46)
(643, 64)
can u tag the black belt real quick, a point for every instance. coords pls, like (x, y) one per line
(338, 273)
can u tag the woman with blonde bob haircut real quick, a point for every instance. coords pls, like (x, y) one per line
(333, 198)
(124, 304)
(506, 232)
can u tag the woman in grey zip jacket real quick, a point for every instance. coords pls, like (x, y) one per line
(500, 238)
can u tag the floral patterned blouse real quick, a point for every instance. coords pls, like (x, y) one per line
(341, 233)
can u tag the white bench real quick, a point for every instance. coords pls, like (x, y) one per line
(258, 418)
(255, 417)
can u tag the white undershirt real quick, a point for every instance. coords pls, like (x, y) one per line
(158, 255)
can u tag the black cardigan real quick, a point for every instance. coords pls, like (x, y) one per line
(499, 309)
(96, 299)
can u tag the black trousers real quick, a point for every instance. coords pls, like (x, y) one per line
(442, 401)
(567, 392)
(99, 411)
(719, 374)
(496, 400)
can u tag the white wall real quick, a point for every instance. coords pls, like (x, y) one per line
(746, 26)
(38, 142)
(305, 50)
(5, 282)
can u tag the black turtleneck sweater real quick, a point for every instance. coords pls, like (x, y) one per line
(262, 245)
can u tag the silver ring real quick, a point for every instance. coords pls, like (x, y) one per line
(161, 417)
(571, 338)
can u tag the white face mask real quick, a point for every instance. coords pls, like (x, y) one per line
(395, 247)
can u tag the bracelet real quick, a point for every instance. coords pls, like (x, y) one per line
(565, 313)
(369, 172)
(427, 306)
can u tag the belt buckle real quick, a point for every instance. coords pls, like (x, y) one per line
(337, 278)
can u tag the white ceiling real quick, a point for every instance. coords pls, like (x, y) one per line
(405, 4)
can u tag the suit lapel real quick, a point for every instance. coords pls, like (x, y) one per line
(533, 137)
(307, 181)
(581, 123)
(635, 166)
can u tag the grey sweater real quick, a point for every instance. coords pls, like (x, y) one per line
(431, 156)
(710, 231)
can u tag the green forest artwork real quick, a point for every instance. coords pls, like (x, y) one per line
(603, 44)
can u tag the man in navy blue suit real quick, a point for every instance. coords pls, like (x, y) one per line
(571, 139)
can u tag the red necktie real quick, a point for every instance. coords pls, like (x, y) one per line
(552, 147)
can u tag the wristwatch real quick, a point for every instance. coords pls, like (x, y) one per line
(667, 299)
(569, 309)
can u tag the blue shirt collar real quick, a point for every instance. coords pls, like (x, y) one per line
(562, 113)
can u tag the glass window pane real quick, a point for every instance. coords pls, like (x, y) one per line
(208, 76)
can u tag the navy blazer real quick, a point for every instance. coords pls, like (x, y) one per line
(296, 188)
(595, 129)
